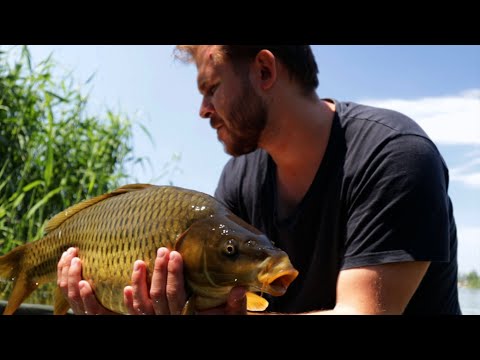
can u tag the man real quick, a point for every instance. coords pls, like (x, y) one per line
(356, 195)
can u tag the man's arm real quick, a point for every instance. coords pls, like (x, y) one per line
(380, 289)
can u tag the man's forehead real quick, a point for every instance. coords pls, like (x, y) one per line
(207, 54)
(207, 59)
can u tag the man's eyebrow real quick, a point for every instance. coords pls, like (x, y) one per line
(202, 84)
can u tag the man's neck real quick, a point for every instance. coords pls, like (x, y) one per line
(297, 139)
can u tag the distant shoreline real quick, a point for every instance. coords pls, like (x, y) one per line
(466, 285)
(470, 280)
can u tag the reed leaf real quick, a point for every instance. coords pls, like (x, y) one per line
(42, 202)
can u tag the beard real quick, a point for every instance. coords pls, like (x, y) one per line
(247, 120)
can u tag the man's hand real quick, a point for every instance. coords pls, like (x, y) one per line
(236, 304)
(78, 292)
(166, 296)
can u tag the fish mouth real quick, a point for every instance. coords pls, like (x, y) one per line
(276, 280)
(277, 285)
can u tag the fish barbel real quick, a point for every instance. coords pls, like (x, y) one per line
(113, 230)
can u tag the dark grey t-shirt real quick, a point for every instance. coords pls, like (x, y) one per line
(379, 196)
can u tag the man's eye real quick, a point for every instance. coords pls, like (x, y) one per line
(212, 89)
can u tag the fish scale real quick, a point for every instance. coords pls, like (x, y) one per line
(113, 230)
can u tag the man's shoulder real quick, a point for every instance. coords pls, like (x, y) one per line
(376, 121)
(372, 134)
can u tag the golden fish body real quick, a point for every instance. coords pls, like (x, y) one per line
(112, 231)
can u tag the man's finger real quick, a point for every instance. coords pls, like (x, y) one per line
(141, 302)
(159, 283)
(175, 289)
(91, 304)
(60, 268)
(65, 267)
(128, 299)
(73, 292)
(236, 302)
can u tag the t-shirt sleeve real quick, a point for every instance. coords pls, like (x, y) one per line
(398, 206)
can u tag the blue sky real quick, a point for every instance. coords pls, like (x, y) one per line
(438, 86)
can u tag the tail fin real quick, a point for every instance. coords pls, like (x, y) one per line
(10, 269)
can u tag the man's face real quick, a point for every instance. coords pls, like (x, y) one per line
(235, 110)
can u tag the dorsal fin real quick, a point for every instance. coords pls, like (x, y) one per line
(58, 219)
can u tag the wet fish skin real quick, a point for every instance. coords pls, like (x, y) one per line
(113, 230)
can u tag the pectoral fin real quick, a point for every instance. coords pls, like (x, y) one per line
(256, 302)
(189, 308)
(61, 304)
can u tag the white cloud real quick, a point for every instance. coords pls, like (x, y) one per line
(469, 172)
(453, 119)
(472, 180)
(468, 249)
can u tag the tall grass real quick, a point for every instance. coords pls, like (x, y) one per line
(52, 153)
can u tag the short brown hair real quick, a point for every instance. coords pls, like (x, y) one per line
(298, 59)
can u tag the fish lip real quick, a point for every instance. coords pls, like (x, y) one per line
(278, 283)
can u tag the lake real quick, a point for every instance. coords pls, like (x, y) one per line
(469, 300)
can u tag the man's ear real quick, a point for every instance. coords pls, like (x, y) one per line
(265, 69)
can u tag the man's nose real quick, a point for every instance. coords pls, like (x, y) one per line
(206, 109)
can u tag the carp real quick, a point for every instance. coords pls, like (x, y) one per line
(113, 230)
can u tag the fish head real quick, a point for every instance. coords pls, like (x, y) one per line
(223, 251)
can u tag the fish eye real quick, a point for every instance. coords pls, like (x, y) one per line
(230, 247)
